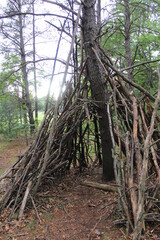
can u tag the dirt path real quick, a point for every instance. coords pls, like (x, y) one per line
(9, 152)
(67, 211)
(70, 212)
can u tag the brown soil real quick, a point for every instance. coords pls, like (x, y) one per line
(67, 211)
(9, 151)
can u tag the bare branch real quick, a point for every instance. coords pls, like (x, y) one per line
(62, 6)
(139, 64)
(9, 15)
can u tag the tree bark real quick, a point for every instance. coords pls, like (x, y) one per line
(127, 38)
(98, 88)
(34, 65)
(24, 72)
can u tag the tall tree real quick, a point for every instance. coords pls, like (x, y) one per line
(13, 31)
(24, 68)
(34, 62)
(127, 35)
(97, 81)
(10, 97)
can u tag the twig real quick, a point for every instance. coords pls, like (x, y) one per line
(35, 208)
(140, 211)
(139, 64)
(46, 232)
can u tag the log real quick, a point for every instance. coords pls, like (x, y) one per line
(100, 186)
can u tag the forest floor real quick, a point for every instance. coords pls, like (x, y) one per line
(67, 211)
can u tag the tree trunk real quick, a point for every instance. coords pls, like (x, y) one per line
(34, 65)
(127, 26)
(99, 16)
(24, 72)
(98, 153)
(98, 88)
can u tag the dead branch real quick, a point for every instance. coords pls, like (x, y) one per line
(142, 186)
(62, 6)
(100, 186)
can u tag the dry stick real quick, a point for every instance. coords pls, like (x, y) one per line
(142, 187)
(21, 180)
(116, 121)
(121, 174)
(86, 106)
(34, 205)
(11, 189)
(46, 232)
(150, 204)
(59, 29)
(152, 148)
(74, 92)
(100, 186)
(133, 194)
(125, 78)
(143, 119)
(62, 6)
(9, 169)
(41, 129)
(114, 151)
(24, 200)
(54, 65)
(18, 178)
(141, 128)
(57, 105)
(155, 162)
(124, 102)
(9, 15)
(135, 137)
(116, 168)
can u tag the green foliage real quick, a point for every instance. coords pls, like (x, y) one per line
(10, 115)
(12, 106)
(10, 75)
(42, 103)
(144, 39)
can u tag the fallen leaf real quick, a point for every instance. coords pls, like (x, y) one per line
(7, 227)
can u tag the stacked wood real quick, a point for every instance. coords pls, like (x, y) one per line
(50, 154)
(136, 124)
(64, 139)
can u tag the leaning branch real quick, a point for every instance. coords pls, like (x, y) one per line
(122, 76)
(142, 185)
(139, 64)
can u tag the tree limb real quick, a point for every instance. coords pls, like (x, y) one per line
(100, 186)
(139, 64)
